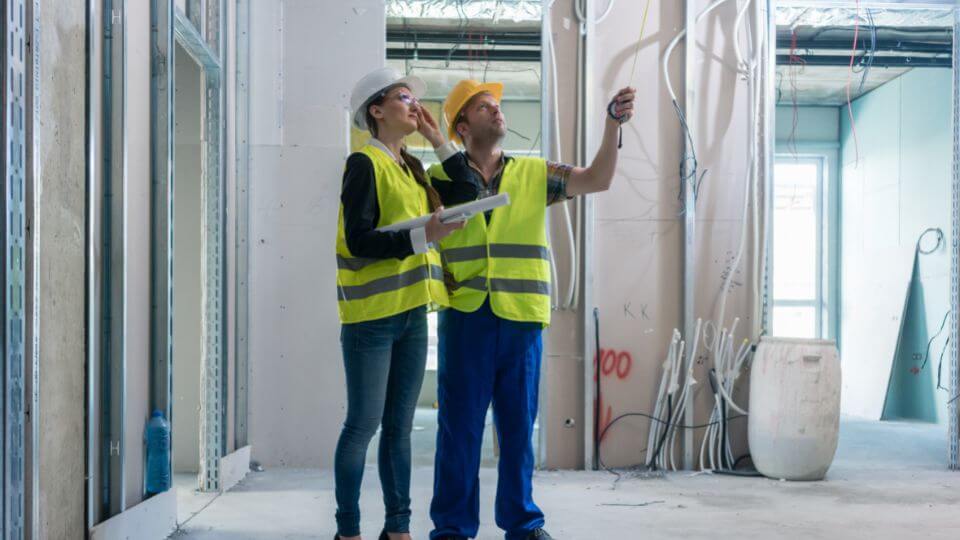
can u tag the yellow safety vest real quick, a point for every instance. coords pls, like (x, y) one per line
(369, 289)
(509, 258)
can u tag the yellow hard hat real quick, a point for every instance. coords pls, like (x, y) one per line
(460, 95)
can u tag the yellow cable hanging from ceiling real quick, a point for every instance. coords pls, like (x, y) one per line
(643, 25)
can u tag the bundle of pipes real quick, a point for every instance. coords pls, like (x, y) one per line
(672, 397)
(728, 366)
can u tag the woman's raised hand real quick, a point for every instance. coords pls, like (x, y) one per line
(427, 126)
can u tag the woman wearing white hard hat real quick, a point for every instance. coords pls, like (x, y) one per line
(386, 282)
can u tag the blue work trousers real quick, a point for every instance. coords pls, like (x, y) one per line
(484, 358)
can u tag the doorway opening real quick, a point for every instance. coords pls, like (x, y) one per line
(861, 214)
(188, 334)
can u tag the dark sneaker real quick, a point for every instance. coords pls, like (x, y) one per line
(539, 534)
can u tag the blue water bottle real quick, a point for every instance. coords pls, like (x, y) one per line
(158, 454)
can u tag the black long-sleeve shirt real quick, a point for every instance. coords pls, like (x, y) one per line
(361, 211)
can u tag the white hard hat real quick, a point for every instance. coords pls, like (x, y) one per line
(370, 86)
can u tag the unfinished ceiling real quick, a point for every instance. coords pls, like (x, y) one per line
(443, 41)
(818, 63)
(472, 12)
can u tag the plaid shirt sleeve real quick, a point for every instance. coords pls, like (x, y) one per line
(557, 176)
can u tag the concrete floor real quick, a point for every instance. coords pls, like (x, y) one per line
(190, 500)
(888, 481)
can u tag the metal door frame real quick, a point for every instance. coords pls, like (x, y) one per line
(206, 46)
(14, 29)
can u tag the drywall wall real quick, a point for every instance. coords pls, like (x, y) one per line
(61, 235)
(896, 183)
(187, 320)
(637, 252)
(561, 381)
(806, 125)
(300, 86)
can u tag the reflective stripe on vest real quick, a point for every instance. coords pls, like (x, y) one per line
(529, 286)
(506, 259)
(389, 283)
(506, 251)
(369, 289)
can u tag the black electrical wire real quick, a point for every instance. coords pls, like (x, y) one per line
(659, 449)
(724, 462)
(665, 422)
(926, 355)
(939, 233)
(734, 472)
(873, 51)
(741, 458)
(688, 165)
(654, 419)
(597, 436)
(940, 366)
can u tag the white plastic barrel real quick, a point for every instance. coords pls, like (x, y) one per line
(794, 407)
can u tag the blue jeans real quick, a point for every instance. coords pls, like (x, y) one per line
(384, 361)
(484, 358)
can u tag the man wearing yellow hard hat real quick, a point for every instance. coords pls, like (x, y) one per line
(498, 273)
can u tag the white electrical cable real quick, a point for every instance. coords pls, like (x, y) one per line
(606, 12)
(751, 186)
(688, 386)
(573, 267)
(671, 392)
(581, 17)
(742, 65)
(577, 246)
(676, 40)
(660, 425)
(554, 296)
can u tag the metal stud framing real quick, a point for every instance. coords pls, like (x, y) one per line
(161, 195)
(242, 126)
(14, 87)
(213, 365)
(954, 408)
(113, 277)
(32, 502)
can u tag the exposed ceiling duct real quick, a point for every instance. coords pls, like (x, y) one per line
(818, 16)
(492, 10)
(815, 46)
(459, 31)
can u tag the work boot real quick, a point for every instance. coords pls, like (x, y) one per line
(539, 534)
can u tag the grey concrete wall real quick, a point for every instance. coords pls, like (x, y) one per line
(306, 57)
(187, 276)
(61, 226)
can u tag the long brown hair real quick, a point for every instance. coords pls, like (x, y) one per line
(412, 163)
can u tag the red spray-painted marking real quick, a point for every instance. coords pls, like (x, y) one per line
(619, 362)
